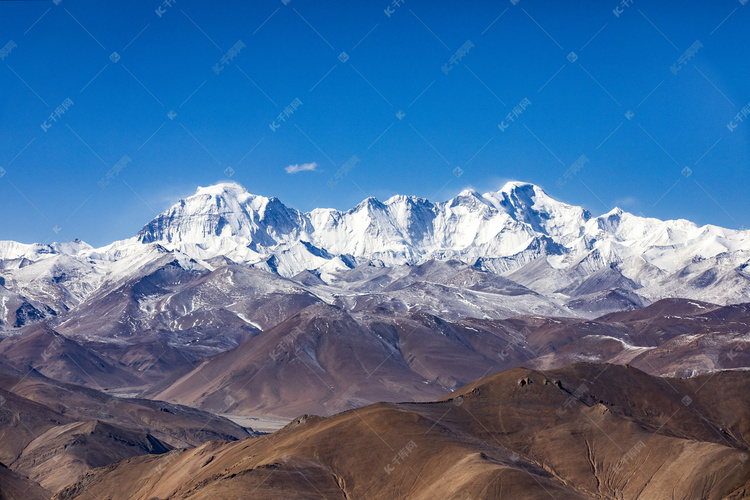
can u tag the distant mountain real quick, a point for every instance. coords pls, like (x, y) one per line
(324, 360)
(225, 268)
(498, 231)
(520, 232)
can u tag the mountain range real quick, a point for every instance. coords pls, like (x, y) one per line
(207, 276)
(232, 312)
(561, 254)
(398, 289)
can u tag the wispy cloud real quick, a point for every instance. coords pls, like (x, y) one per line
(293, 169)
(626, 201)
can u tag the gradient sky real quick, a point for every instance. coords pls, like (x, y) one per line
(371, 85)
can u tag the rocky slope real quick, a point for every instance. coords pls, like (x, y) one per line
(324, 359)
(586, 431)
(51, 432)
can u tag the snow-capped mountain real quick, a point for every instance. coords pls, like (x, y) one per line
(510, 227)
(226, 284)
(498, 231)
(225, 219)
(575, 261)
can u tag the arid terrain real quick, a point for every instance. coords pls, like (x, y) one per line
(584, 431)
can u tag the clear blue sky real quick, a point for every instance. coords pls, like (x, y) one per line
(349, 106)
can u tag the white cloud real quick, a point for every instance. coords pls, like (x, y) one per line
(626, 201)
(293, 169)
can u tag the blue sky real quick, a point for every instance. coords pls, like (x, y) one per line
(617, 105)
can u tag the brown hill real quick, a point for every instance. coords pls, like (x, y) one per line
(57, 457)
(299, 366)
(52, 431)
(14, 486)
(325, 359)
(179, 426)
(21, 420)
(584, 431)
(61, 358)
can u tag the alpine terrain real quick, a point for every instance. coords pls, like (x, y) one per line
(493, 345)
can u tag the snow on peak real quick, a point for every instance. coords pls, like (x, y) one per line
(369, 203)
(505, 229)
(402, 198)
(469, 192)
(524, 193)
(225, 219)
(222, 188)
(468, 198)
(527, 193)
(511, 186)
(615, 212)
(220, 220)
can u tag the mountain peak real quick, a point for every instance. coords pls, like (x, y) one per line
(215, 216)
(469, 192)
(469, 198)
(531, 194)
(368, 203)
(511, 186)
(402, 198)
(616, 212)
(223, 188)
(227, 196)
